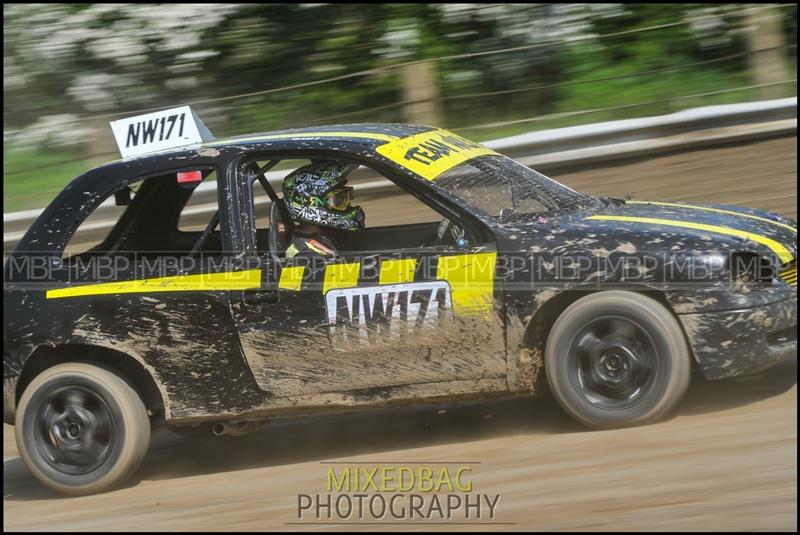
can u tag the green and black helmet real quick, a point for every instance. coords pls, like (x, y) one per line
(317, 194)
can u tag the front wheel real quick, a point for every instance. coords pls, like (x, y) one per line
(616, 359)
(81, 429)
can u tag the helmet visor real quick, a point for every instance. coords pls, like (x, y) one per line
(339, 199)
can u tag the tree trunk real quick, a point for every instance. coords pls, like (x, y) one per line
(421, 92)
(768, 60)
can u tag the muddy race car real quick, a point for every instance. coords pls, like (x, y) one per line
(519, 284)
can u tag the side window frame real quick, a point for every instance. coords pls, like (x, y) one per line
(88, 210)
(247, 204)
(431, 198)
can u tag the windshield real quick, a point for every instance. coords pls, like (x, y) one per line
(497, 185)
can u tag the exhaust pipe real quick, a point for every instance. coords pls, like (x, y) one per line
(235, 429)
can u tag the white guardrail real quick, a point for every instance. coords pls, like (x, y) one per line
(574, 147)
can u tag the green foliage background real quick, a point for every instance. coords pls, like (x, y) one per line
(69, 67)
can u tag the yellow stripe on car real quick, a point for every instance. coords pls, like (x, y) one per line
(717, 210)
(782, 252)
(231, 280)
(471, 279)
(277, 137)
(340, 276)
(292, 278)
(789, 276)
(397, 271)
(430, 154)
(300, 135)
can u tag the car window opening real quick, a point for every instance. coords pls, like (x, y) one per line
(161, 216)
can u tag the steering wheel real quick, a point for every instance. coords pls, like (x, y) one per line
(447, 233)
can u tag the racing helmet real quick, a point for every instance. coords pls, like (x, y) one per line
(317, 194)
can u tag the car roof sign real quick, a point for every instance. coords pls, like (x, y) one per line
(161, 130)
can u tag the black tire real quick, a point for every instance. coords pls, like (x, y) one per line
(617, 359)
(81, 429)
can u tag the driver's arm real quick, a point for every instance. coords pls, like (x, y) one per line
(309, 247)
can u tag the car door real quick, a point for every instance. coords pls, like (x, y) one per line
(378, 320)
(374, 319)
(419, 315)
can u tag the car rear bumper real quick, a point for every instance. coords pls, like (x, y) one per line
(741, 342)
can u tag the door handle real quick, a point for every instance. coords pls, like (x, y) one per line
(254, 297)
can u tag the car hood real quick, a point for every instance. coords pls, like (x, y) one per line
(720, 224)
(653, 225)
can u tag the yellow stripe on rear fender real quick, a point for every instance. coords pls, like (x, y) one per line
(231, 280)
(717, 210)
(783, 253)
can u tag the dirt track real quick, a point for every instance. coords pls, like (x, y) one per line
(726, 461)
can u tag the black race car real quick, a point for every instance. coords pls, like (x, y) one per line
(524, 283)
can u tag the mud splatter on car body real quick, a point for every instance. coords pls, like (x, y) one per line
(260, 338)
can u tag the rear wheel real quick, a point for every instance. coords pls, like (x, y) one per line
(81, 429)
(616, 359)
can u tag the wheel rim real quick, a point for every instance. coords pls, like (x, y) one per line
(74, 430)
(612, 362)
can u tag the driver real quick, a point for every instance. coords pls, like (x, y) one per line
(319, 203)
